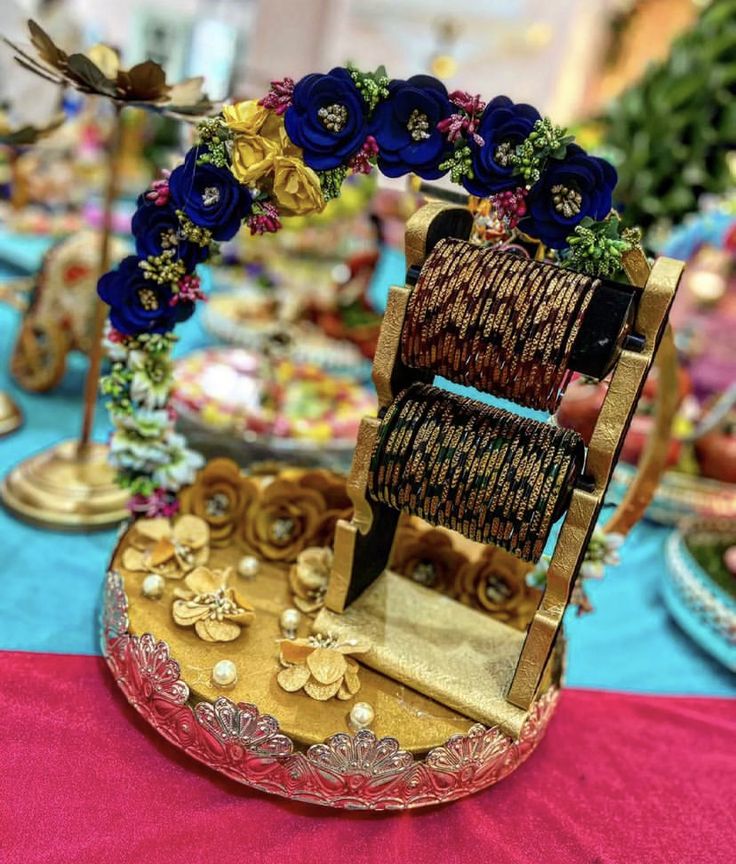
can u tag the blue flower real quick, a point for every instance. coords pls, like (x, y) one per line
(569, 190)
(156, 230)
(405, 127)
(138, 305)
(210, 196)
(503, 125)
(327, 119)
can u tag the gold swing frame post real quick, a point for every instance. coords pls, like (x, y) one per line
(658, 286)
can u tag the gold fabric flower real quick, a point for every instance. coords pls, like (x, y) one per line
(496, 583)
(279, 524)
(211, 606)
(308, 578)
(321, 666)
(157, 547)
(427, 557)
(219, 495)
(296, 187)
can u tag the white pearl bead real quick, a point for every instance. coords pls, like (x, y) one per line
(361, 715)
(290, 619)
(248, 566)
(153, 586)
(224, 673)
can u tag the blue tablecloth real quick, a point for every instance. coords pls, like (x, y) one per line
(51, 581)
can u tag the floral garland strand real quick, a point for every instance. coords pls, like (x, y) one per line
(288, 155)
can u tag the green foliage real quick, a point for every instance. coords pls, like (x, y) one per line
(331, 181)
(596, 247)
(546, 141)
(373, 86)
(459, 163)
(671, 133)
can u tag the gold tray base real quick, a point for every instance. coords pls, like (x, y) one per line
(66, 488)
(11, 417)
(418, 721)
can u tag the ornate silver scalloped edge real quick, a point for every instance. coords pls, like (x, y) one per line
(348, 771)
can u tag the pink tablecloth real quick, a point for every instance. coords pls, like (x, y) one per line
(619, 778)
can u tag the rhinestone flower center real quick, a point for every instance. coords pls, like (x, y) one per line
(210, 196)
(498, 590)
(333, 117)
(418, 125)
(218, 604)
(148, 299)
(217, 505)
(567, 201)
(282, 528)
(424, 573)
(503, 153)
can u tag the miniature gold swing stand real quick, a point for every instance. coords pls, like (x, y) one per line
(459, 698)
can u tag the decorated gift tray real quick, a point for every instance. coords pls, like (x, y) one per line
(246, 319)
(680, 495)
(205, 618)
(700, 584)
(291, 406)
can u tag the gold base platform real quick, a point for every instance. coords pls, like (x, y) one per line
(11, 417)
(67, 487)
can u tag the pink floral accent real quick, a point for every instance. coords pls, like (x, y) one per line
(365, 158)
(280, 97)
(466, 120)
(158, 503)
(189, 290)
(159, 191)
(116, 336)
(349, 771)
(264, 219)
(510, 205)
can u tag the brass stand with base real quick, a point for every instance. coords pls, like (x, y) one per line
(71, 486)
(11, 417)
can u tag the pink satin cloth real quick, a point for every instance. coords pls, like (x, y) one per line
(618, 778)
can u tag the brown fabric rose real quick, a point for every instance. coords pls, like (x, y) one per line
(427, 557)
(496, 583)
(220, 496)
(280, 523)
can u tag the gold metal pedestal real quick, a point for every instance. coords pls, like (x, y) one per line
(69, 487)
(10, 415)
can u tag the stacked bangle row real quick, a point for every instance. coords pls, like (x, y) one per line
(489, 474)
(496, 321)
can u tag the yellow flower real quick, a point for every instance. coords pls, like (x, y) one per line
(253, 157)
(259, 138)
(245, 117)
(296, 187)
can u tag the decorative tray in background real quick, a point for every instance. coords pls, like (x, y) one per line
(246, 319)
(269, 407)
(701, 596)
(680, 496)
